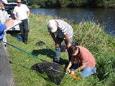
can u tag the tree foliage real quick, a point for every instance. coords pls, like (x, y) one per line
(71, 3)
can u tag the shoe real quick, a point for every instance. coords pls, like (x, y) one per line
(55, 60)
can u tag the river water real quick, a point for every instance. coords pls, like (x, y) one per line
(105, 17)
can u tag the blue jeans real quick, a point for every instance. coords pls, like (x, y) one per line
(85, 72)
(88, 71)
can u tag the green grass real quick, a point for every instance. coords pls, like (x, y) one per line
(87, 34)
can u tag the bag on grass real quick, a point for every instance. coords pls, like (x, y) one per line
(54, 71)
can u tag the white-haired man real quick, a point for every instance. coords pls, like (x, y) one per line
(60, 31)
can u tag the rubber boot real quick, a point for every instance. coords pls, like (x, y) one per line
(57, 56)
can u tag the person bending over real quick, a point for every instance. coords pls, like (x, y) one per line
(60, 31)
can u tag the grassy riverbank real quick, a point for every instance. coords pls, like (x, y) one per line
(87, 34)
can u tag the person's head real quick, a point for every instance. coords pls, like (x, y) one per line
(18, 2)
(1, 5)
(74, 50)
(52, 26)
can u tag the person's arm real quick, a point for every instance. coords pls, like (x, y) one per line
(53, 36)
(28, 13)
(68, 67)
(15, 13)
(67, 40)
(81, 67)
(28, 10)
(9, 23)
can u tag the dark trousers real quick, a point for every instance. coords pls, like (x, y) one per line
(24, 30)
(59, 41)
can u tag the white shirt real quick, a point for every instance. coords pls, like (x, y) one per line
(65, 27)
(21, 12)
(3, 16)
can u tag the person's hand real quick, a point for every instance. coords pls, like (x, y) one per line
(9, 23)
(57, 45)
(68, 70)
(72, 73)
(78, 70)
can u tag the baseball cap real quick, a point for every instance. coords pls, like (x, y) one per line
(4, 1)
(52, 25)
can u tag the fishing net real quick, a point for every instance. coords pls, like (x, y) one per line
(54, 71)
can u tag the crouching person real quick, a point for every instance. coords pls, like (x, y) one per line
(81, 60)
(60, 31)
